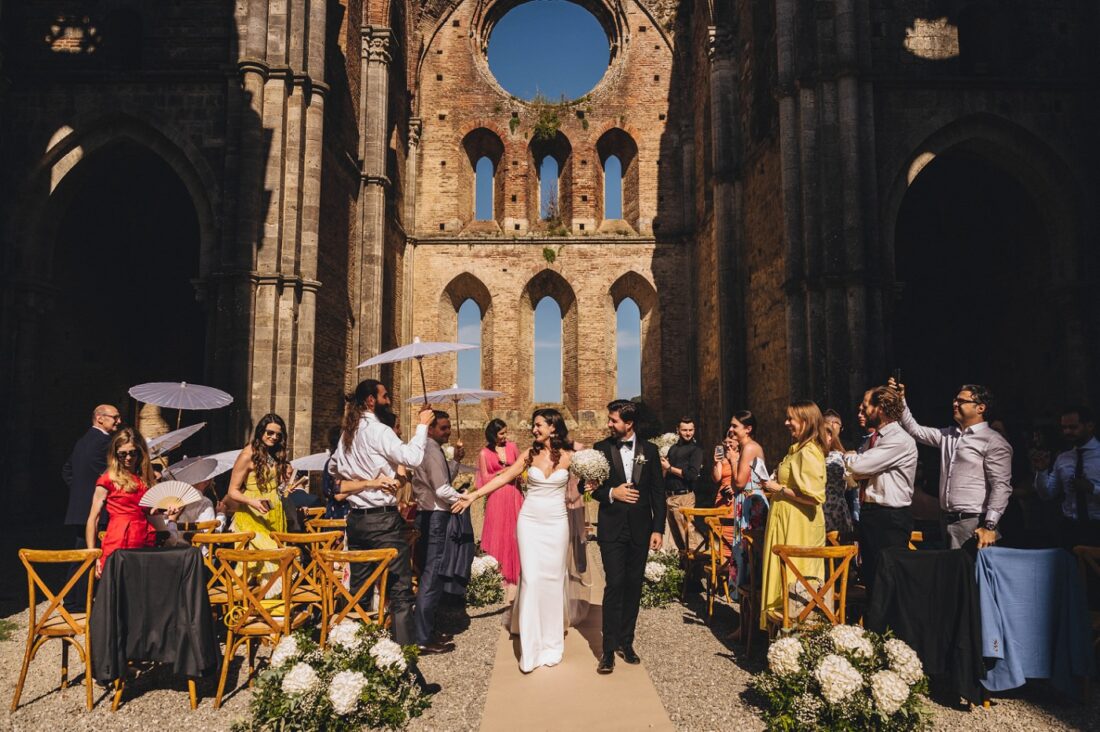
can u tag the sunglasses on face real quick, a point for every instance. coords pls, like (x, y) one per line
(123, 454)
(273, 434)
(961, 402)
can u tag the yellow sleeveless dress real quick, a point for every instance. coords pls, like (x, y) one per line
(247, 519)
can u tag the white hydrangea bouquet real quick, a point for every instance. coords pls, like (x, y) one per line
(665, 442)
(486, 583)
(589, 465)
(842, 678)
(664, 579)
(361, 680)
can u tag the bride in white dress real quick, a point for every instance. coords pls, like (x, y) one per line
(542, 531)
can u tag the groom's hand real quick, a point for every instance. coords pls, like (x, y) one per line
(625, 493)
(655, 541)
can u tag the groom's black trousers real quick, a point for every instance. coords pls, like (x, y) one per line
(624, 571)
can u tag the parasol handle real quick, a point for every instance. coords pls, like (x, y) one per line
(423, 384)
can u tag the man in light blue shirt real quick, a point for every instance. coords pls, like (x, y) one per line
(1075, 479)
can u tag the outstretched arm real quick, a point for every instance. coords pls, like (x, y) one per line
(500, 480)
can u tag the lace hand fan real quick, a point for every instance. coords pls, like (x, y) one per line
(169, 494)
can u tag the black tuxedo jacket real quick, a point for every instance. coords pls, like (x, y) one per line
(86, 463)
(637, 521)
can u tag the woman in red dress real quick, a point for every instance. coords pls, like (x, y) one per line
(121, 487)
(498, 536)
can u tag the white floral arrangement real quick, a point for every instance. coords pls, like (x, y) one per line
(486, 582)
(449, 452)
(664, 579)
(665, 442)
(589, 465)
(361, 680)
(842, 678)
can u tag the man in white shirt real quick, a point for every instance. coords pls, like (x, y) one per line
(431, 483)
(975, 467)
(889, 467)
(368, 449)
(1074, 479)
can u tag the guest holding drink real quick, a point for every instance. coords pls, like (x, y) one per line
(127, 478)
(254, 483)
(498, 537)
(796, 496)
(750, 505)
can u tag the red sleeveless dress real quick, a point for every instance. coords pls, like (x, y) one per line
(128, 525)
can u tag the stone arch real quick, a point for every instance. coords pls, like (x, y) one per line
(618, 142)
(636, 287)
(480, 142)
(32, 222)
(549, 283)
(463, 287)
(1033, 267)
(559, 148)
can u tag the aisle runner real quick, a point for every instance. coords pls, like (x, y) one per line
(571, 695)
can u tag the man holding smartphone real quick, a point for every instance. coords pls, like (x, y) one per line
(681, 467)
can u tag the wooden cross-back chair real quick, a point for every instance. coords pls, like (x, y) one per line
(829, 597)
(314, 512)
(307, 584)
(721, 554)
(249, 615)
(56, 621)
(199, 527)
(217, 584)
(704, 549)
(750, 588)
(324, 524)
(336, 593)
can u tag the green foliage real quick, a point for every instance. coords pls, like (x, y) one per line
(548, 118)
(549, 254)
(513, 123)
(794, 702)
(664, 579)
(388, 700)
(7, 627)
(485, 589)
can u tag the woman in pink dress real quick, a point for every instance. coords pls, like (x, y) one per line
(498, 537)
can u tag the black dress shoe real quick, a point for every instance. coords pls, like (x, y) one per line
(627, 654)
(444, 637)
(607, 664)
(432, 649)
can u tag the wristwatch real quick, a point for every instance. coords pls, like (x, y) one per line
(989, 525)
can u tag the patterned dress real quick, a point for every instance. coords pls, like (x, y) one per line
(837, 516)
(750, 509)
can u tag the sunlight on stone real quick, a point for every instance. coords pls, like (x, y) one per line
(932, 38)
(918, 165)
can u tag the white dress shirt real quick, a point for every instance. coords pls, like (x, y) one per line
(1058, 482)
(889, 467)
(431, 480)
(975, 466)
(627, 455)
(376, 451)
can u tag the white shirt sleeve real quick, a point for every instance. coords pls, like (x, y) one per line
(926, 435)
(409, 455)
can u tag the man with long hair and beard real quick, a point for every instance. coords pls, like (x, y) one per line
(364, 466)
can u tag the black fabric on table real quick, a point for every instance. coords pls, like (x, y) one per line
(929, 599)
(152, 605)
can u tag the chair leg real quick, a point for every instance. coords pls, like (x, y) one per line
(88, 678)
(251, 650)
(64, 664)
(119, 686)
(192, 693)
(28, 656)
(230, 650)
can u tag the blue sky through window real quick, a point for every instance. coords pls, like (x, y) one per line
(552, 47)
(613, 188)
(469, 331)
(628, 350)
(483, 192)
(547, 351)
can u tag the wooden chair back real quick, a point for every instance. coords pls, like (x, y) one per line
(703, 548)
(217, 584)
(306, 577)
(56, 621)
(915, 537)
(199, 527)
(249, 611)
(324, 524)
(336, 592)
(838, 559)
(315, 512)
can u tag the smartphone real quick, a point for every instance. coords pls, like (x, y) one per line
(897, 376)
(266, 503)
(719, 452)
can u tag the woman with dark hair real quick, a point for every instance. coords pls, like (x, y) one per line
(498, 537)
(127, 478)
(749, 505)
(542, 535)
(254, 482)
(796, 496)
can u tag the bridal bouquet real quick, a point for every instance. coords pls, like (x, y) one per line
(590, 465)
(665, 442)
(486, 583)
(663, 579)
(361, 679)
(842, 678)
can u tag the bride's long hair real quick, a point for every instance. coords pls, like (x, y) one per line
(558, 441)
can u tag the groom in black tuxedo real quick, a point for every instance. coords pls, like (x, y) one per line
(631, 522)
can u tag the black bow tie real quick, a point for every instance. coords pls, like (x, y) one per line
(628, 444)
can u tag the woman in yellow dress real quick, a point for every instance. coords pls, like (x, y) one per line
(254, 483)
(796, 497)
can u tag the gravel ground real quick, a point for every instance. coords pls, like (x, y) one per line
(703, 681)
(159, 700)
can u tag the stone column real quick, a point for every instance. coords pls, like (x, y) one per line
(373, 116)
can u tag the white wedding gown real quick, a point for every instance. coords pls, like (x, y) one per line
(542, 532)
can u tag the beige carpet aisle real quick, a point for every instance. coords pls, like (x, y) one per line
(572, 695)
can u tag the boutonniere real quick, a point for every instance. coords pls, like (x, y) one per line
(640, 459)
